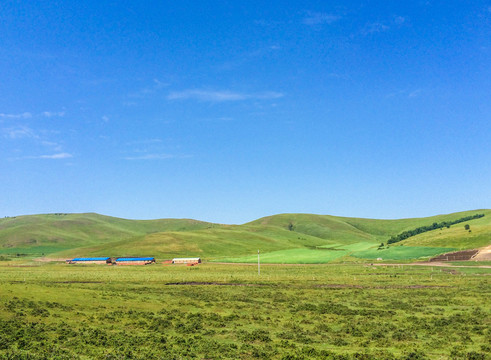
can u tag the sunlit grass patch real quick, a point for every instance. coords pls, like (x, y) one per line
(401, 252)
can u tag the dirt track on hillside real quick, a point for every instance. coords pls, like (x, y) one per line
(484, 254)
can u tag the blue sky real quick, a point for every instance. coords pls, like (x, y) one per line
(229, 111)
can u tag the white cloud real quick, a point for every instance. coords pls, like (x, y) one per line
(24, 115)
(105, 118)
(150, 157)
(53, 113)
(156, 86)
(20, 132)
(220, 96)
(415, 93)
(159, 84)
(317, 18)
(145, 141)
(55, 156)
(374, 28)
(53, 145)
(405, 93)
(399, 20)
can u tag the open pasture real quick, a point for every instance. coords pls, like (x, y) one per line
(401, 252)
(218, 311)
(284, 238)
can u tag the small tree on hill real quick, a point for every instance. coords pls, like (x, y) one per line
(467, 226)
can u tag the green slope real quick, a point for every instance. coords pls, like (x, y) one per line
(327, 227)
(48, 233)
(284, 238)
(210, 243)
(331, 227)
(456, 236)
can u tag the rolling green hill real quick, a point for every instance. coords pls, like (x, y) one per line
(48, 233)
(284, 238)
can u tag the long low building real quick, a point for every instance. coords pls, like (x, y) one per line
(196, 260)
(90, 260)
(134, 261)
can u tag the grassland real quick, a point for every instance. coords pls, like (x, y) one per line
(214, 311)
(284, 238)
(51, 233)
(401, 252)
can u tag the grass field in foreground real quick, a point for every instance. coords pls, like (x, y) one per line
(58, 311)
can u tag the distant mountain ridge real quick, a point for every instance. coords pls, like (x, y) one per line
(320, 238)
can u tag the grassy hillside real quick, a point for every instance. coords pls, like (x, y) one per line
(210, 243)
(48, 233)
(359, 229)
(284, 238)
(456, 236)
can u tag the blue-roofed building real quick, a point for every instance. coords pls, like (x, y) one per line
(90, 260)
(134, 260)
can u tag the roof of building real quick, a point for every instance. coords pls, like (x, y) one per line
(135, 259)
(192, 258)
(91, 259)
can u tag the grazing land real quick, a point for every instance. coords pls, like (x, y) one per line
(326, 293)
(215, 311)
(284, 238)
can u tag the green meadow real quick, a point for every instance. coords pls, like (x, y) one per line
(224, 311)
(283, 238)
(401, 252)
(318, 294)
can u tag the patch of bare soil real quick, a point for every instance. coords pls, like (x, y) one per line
(77, 282)
(483, 254)
(341, 286)
(211, 283)
(456, 256)
(451, 271)
(63, 282)
(19, 266)
(45, 259)
(352, 286)
(436, 263)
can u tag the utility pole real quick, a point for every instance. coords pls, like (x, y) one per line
(258, 264)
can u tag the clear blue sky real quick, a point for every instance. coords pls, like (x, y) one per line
(228, 111)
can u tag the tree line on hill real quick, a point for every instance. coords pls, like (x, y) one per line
(408, 233)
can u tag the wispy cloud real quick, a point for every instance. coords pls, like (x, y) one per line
(56, 156)
(395, 22)
(19, 132)
(318, 18)
(246, 57)
(415, 93)
(155, 157)
(375, 27)
(24, 115)
(50, 114)
(399, 20)
(145, 142)
(153, 88)
(53, 145)
(405, 93)
(28, 115)
(221, 96)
